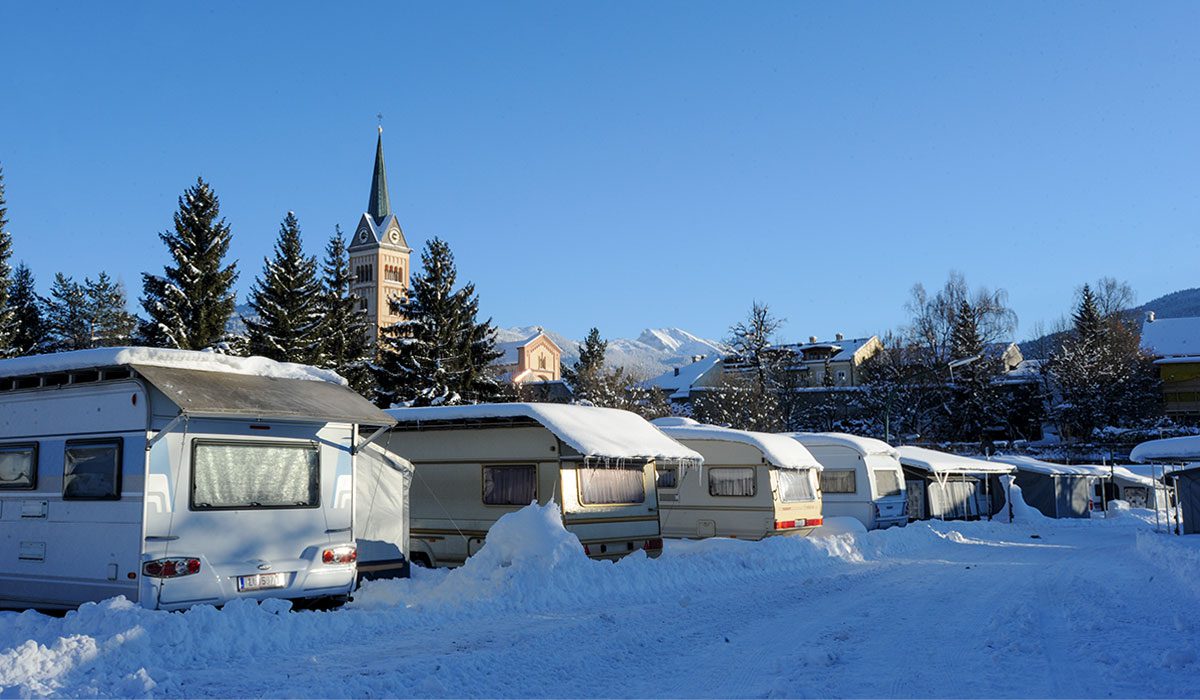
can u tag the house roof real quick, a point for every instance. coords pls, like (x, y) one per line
(602, 433)
(680, 380)
(843, 350)
(1172, 337)
(940, 462)
(778, 450)
(864, 445)
(508, 350)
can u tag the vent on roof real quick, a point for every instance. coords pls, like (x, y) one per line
(839, 337)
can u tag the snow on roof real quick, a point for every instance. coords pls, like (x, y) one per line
(1030, 464)
(681, 379)
(844, 350)
(163, 357)
(1174, 450)
(940, 462)
(1172, 337)
(778, 450)
(508, 349)
(593, 432)
(864, 445)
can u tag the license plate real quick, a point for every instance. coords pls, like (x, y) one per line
(259, 582)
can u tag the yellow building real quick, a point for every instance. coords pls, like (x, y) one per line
(1174, 343)
(379, 254)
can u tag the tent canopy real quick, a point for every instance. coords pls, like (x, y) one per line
(937, 462)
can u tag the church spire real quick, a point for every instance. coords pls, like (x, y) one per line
(379, 207)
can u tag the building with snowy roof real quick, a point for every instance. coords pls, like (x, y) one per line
(1174, 343)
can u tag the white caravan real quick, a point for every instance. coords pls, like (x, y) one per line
(175, 478)
(752, 485)
(476, 463)
(862, 478)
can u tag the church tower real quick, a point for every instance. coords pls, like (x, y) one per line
(379, 253)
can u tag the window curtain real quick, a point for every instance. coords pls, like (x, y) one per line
(731, 481)
(16, 466)
(668, 478)
(250, 476)
(509, 486)
(607, 485)
(838, 481)
(795, 485)
(954, 499)
(887, 483)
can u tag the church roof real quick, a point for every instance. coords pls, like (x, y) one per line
(379, 207)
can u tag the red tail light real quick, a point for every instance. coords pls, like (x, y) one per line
(814, 522)
(345, 554)
(171, 568)
(785, 524)
(655, 543)
(587, 550)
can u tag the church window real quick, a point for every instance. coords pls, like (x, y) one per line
(391, 273)
(541, 362)
(363, 272)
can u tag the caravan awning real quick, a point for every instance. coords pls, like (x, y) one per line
(937, 462)
(1177, 450)
(223, 395)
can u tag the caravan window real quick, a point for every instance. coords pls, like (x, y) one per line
(731, 481)
(838, 481)
(611, 486)
(668, 478)
(795, 485)
(18, 466)
(509, 485)
(92, 470)
(247, 475)
(887, 483)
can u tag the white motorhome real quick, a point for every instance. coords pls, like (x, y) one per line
(752, 485)
(175, 478)
(862, 478)
(476, 463)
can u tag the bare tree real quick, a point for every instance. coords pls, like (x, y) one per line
(933, 318)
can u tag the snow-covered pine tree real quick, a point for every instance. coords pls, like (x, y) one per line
(287, 301)
(29, 337)
(67, 320)
(345, 347)
(189, 305)
(111, 323)
(7, 318)
(586, 374)
(437, 354)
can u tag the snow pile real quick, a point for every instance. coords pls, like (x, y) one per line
(164, 357)
(939, 462)
(602, 433)
(863, 445)
(778, 450)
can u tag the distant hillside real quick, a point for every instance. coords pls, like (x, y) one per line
(653, 352)
(1181, 304)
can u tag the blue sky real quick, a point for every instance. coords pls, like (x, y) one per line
(629, 165)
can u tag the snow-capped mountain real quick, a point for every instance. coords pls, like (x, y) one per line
(653, 352)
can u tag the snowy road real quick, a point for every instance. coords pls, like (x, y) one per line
(1087, 609)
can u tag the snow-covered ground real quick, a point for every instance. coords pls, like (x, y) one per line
(1039, 608)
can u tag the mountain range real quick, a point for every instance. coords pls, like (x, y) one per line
(653, 352)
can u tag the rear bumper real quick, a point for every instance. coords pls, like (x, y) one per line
(218, 585)
(390, 568)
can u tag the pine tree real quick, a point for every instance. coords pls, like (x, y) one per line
(976, 403)
(438, 353)
(110, 321)
(1089, 324)
(30, 337)
(345, 347)
(287, 301)
(8, 328)
(67, 315)
(585, 375)
(191, 303)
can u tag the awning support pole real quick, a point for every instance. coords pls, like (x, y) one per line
(370, 438)
(165, 430)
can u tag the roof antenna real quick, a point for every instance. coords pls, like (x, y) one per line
(379, 116)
